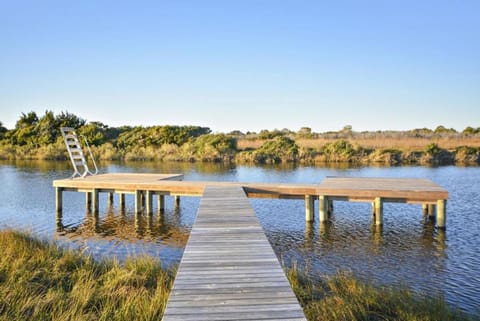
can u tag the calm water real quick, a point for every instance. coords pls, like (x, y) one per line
(408, 250)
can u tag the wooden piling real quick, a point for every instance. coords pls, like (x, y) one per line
(323, 208)
(177, 200)
(95, 201)
(441, 214)
(148, 196)
(330, 207)
(110, 199)
(88, 201)
(138, 202)
(161, 202)
(431, 211)
(424, 209)
(58, 200)
(378, 211)
(121, 200)
(309, 208)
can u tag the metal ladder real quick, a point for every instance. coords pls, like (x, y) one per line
(75, 151)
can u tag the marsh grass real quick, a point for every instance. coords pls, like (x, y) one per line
(343, 297)
(39, 281)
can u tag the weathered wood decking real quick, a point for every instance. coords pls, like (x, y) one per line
(229, 270)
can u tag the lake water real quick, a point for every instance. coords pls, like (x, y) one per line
(407, 251)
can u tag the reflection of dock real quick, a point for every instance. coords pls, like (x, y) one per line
(374, 190)
(229, 270)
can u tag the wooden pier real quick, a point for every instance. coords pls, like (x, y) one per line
(381, 190)
(229, 270)
(375, 190)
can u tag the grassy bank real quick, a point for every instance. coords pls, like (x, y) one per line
(39, 281)
(343, 297)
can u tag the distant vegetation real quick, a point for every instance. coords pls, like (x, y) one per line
(37, 137)
(40, 281)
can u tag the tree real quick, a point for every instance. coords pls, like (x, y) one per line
(66, 119)
(94, 132)
(3, 130)
(46, 129)
(443, 130)
(305, 132)
(26, 120)
(471, 131)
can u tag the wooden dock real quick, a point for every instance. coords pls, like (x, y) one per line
(229, 270)
(375, 190)
(381, 190)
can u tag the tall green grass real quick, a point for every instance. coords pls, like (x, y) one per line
(343, 297)
(39, 281)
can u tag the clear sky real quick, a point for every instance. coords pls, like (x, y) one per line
(247, 65)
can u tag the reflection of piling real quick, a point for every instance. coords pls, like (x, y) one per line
(59, 221)
(325, 230)
(177, 200)
(377, 233)
(309, 232)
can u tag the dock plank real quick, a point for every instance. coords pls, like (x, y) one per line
(229, 270)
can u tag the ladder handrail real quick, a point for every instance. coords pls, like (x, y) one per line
(75, 152)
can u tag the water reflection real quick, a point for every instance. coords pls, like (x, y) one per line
(127, 226)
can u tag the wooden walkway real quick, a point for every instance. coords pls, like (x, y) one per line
(229, 270)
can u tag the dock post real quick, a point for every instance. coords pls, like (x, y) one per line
(148, 196)
(58, 200)
(110, 199)
(378, 211)
(373, 210)
(330, 207)
(138, 201)
(95, 200)
(121, 201)
(161, 202)
(431, 211)
(441, 214)
(323, 207)
(425, 209)
(88, 201)
(177, 200)
(309, 208)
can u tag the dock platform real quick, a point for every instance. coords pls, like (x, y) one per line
(229, 270)
(381, 190)
(375, 190)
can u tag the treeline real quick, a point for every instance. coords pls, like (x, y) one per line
(37, 137)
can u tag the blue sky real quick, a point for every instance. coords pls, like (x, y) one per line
(245, 65)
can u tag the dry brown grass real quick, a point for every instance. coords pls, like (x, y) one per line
(243, 144)
(401, 143)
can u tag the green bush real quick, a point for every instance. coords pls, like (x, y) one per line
(279, 149)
